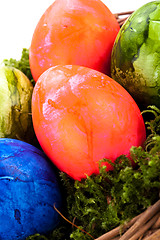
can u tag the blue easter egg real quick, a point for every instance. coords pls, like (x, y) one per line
(28, 190)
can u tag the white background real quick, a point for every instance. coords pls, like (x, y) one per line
(18, 19)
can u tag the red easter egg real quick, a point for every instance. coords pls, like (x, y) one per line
(78, 32)
(81, 116)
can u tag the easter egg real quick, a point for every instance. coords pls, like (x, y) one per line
(15, 105)
(81, 116)
(135, 61)
(29, 188)
(74, 32)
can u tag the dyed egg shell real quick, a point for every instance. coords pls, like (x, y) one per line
(81, 116)
(28, 191)
(77, 32)
(135, 61)
(15, 105)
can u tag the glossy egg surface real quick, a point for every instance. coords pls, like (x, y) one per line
(81, 116)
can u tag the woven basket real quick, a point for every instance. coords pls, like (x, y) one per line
(145, 226)
(122, 17)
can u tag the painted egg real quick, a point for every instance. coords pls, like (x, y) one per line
(81, 116)
(77, 32)
(135, 61)
(15, 105)
(28, 191)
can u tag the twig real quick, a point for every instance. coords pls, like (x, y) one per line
(136, 227)
(119, 230)
(144, 228)
(82, 230)
(155, 236)
(120, 19)
(149, 213)
(156, 225)
(123, 13)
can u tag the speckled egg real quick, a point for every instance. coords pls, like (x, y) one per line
(28, 191)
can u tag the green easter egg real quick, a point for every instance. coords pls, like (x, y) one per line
(135, 61)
